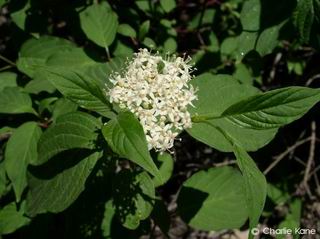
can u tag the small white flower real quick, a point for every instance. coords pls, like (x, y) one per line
(158, 92)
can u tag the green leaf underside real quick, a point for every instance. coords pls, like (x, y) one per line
(255, 185)
(133, 196)
(58, 193)
(20, 151)
(216, 93)
(213, 200)
(272, 109)
(72, 130)
(99, 23)
(126, 137)
(8, 79)
(166, 168)
(14, 101)
(11, 219)
(81, 89)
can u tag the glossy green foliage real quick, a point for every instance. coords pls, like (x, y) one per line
(76, 164)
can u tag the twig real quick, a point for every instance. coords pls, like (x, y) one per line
(309, 82)
(314, 172)
(274, 66)
(225, 163)
(311, 153)
(303, 186)
(7, 60)
(316, 179)
(285, 153)
(301, 136)
(201, 39)
(5, 68)
(299, 161)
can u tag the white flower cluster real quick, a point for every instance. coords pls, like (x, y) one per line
(156, 90)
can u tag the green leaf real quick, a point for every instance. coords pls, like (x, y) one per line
(14, 101)
(6, 129)
(20, 151)
(77, 60)
(148, 42)
(243, 74)
(277, 195)
(304, 16)
(73, 130)
(263, 42)
(35, 52)
(215, 94)
(122, 49)
(213, 45)
(229, 46)
(127, 30)
(111, 227)
(2, 2)
(260, 31)
(39, 85)
(272, 109)
(168, 5)
(108, 217)
(11, 218)
(170, 45)
(126, 137)
(71, 58)
(133, 197)
(63, 106)
(47, 104)
(99, 23)
(166, 168)
(144, 5)
(19, 17)
(8, 79)
(213, 200)
(255, 185)
(102, 71)
(204, 17)
(81, 89)
(59, 192)
(144, 29)
(4, 189)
